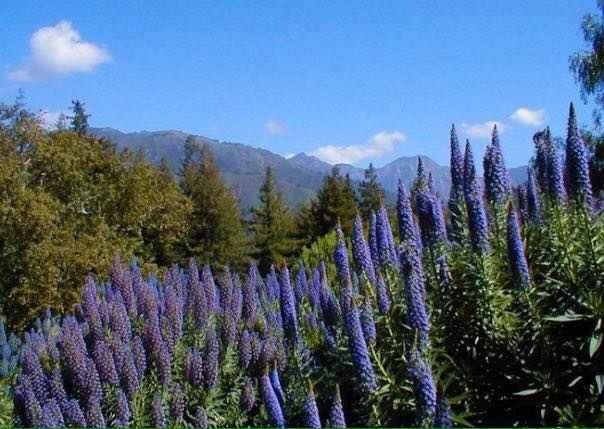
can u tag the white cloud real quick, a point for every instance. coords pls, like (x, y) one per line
(51, 117)
(528, 117)
(380, 144)
(57, 52)
(483, 131)
(289, 155)
(273, 127)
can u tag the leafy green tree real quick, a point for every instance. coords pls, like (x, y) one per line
(371, 192)
(216, 234)
(335, 200)
(79, 120)
(272, 225)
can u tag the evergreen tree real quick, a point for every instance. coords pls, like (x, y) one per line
(216, 233)
(188, 166)
(272, 225)
(371, 193)
(335, 200)
(79, 120)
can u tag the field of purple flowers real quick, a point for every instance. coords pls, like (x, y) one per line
(492, 315)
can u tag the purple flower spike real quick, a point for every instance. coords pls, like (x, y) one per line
(477, 219)
(310, 410)
(288, 307)
(373, 241)
(211, 362)
(361, 252)
(497, 180)
(271, 403)
(122, 409)
(177, 404)
(248, 394)
(74, 417)
(417, 317)
(367, 322)
(516, 256)
(382, 298)
(158, 419)
(423, 389)
(577, 162)
(357, 345)
(336, 413)
(201, 418)
(385, 239)
(407, 227)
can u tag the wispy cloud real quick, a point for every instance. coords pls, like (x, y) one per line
(273, 127)
(51, 117)
(58, 51)
(484, 130)
(380, 144)
(528, 117)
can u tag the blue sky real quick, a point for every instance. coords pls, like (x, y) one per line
(347, 81)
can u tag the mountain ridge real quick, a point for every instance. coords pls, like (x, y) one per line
(299, 177)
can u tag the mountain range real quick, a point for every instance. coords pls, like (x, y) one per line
(299, 177)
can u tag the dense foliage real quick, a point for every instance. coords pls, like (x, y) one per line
(492, 316)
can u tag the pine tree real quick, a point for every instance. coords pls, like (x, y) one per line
(216, 232)
(79, 120)
(371, 193)
(188, 166)
(272, 225)
(335, 200)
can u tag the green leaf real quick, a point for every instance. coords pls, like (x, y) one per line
(567, 318)
(526, 392)
(594, 343)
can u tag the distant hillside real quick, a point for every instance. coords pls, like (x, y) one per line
(299, 177)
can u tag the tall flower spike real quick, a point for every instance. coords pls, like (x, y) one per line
(555, 174)
(521, 195)
(456, 199)
(122, 410)
(336, 413)
(417, 316)
(309, 408)
(367, 322)
(442, 418)
(342, 267)
(201, 418)
(497, 180)
(158, 418)
(248, 394)
(431, 219)
(533, 206)
(177, 404)
(541, 161)
(407, 227)
(577, 162)
(357, 345)
(211, 363)
(382, 298)
(477, 219)
(373, 244)
(423, 389)
(94, 414)
(516, 256)
(276, 383)
(74, 417)
(361, 252)
(385, 238)
(271, 403)
(288, 307)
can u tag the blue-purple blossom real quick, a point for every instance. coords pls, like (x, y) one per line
(417, 316)
(361, 252)
(122, 409)
(431, 219)
(336, 412)
(201, 418)
(276, 383)
(367, 322)
(310, 410)
(407, 227)
(94, 414)
(385, 239)
(288, 306)
(211, 361)
(496, 176)
(533, 206)
(424, 391)
(442, 419)
(477, 219)
(357, 345)
(74, 417)
(271, 403)
(158, 418)
(577, 162)
(516, 256)
(382, 296)
(373, 240)
(248, 394)
(177, 404)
